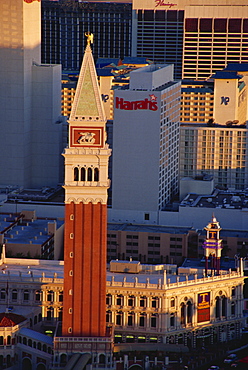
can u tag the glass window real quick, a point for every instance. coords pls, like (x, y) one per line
(220, 25)
(191, 25)
(206, 25)
(14, 295)
(26, 295)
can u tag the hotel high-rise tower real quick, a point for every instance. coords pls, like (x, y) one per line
(198, 37)
(30, 93)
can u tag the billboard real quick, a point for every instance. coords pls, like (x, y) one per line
(203, 307)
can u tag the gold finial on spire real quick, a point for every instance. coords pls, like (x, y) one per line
(90, 37)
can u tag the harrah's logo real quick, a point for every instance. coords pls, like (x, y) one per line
(151, 104)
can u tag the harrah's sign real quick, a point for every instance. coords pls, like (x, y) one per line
(145, 104)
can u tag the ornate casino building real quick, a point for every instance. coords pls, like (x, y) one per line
(161, 307)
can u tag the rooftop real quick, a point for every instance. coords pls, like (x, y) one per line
(230, 125)
(147, 228)
(242, 67)
(226, 75)
(36, 336)
(20, 231)
(10, 319)
(228, 199)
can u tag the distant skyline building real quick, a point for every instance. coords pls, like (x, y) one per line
(146, 140)
(64, 24)
(198, 37)
(218, 146)
(30, 136)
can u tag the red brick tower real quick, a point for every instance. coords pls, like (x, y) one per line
(86, 184)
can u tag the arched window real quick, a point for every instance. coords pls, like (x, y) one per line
(50, 296)
(172, 320)
(142, 319)
(89, 174)
(119, 318)
(1, 340)
(26, 364)
(30, 343)
(39, 346)
(108, 316)
(96, 174)
(41, 367)
(3, 294)
(63, 359)
(60, 296)
(154, 321)
(34, 344)
(8, 360)
(49, 313)
(108, 299)
(119, 300)
(155, 302)
(35, 320)
(24, 341)
(102, 359)
(143, 301)
(40, 317)
(38, 295)
(217, 308)
(130, 319)
(8, 340)
(189, 312)
(183, 314)
(14, 295)
(224, 306)
(76, 174)
(26, 295)
(172, 302)
(83, 174)
(44, 348)
(233, 308)
(131, 300)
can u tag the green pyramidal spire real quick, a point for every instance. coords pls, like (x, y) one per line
(87, 104)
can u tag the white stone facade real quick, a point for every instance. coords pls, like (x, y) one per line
(146, 140)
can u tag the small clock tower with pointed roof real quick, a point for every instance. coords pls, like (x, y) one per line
(86, 184)
(213, 245)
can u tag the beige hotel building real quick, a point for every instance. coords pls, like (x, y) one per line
(213, 132)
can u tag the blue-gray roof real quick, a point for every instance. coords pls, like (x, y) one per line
(226, 75)
(136, 60)
(104, 72)
(237, 67)
(102, 62)
(37, 336)
(197, 89)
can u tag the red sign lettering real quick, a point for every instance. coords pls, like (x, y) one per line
(151, 104)
(30, 1)
(162, 3)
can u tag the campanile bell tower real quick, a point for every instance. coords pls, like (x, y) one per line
(213, 245)
(86, 184)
